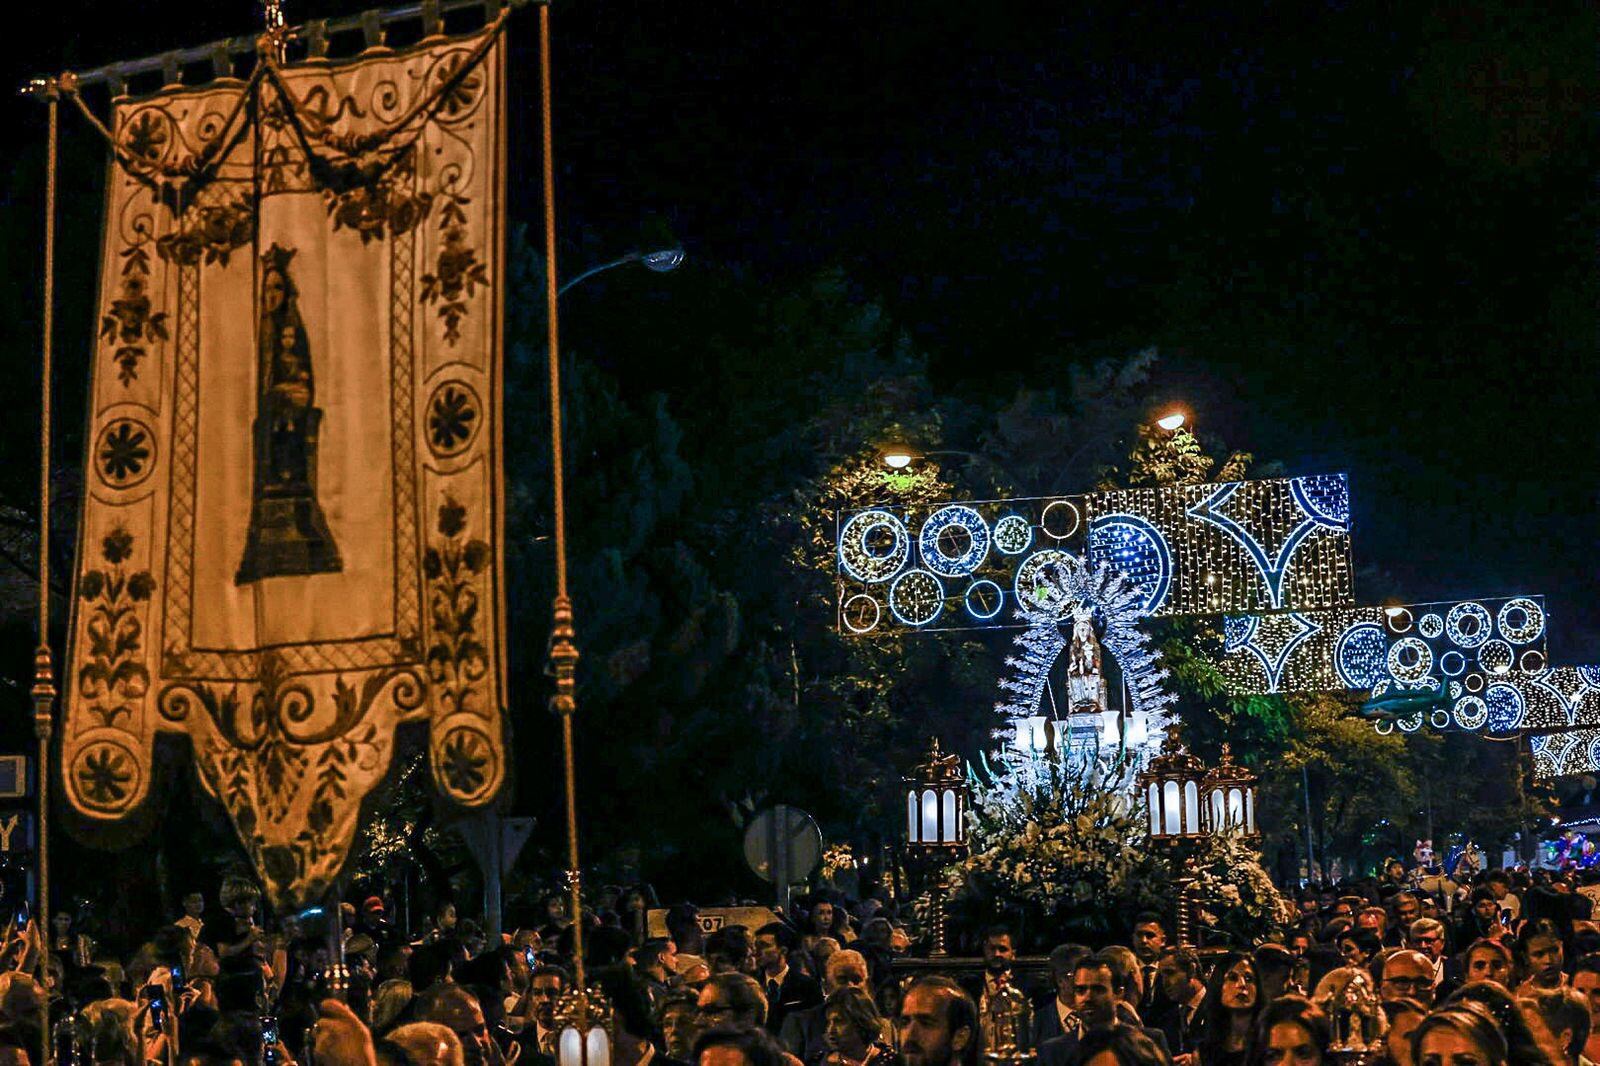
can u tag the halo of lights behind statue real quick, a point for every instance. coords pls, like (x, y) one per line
(1061, 603)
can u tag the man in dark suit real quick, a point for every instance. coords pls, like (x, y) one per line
(1149, 941)
(1096, 999)
(1055, 1016)
(786, 989)
(999, 952)
(1179, 1019)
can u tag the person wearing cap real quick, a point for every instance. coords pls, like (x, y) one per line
(374, 920)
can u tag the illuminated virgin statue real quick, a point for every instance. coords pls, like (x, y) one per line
(288, 534)
(1086, 683)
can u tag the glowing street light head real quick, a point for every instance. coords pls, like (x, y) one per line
(663, 261)
(1171, 422)
(897, 457)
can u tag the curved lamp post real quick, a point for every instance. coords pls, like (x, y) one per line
(659, 262)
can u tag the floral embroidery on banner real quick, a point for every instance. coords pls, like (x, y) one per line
(458, 273)
(130, 324)
(457, 659)
(113, 679)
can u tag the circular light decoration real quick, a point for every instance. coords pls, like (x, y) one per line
(1034, 588)
(1473, 682)
(1455, 690)
(916, 597)
(873, 546)
(1521, 620)
(1505, 707)
(1359, 655)
(1136, 550)
(1060, 519)
(1471, 712)
(1430, 625)
(1013, 534)
(1531, 661)
(1439, 719)
(1410, 723)
(1468, 624)
(1496, 657)
(1384, 728)
(1410, 659)
(860, 613)
(954, 541)
(1452, 663)
(1398, 619)
(984, 599)
(1590, 675)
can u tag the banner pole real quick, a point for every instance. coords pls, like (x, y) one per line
(563, 650)
(44, 689)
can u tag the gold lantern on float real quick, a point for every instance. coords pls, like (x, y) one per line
(936, 805)
(583, 1020)
(1171, 786)
(1229, 798)
(936, 825)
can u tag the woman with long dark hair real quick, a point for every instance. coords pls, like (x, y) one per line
(1232, 1004)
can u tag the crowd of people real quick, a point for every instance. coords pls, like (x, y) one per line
(1504, 969)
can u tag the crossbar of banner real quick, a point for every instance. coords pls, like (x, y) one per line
(222, 53)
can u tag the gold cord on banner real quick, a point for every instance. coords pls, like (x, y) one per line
(44, 689)
(270, 53)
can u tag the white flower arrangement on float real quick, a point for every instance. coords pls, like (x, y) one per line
(1233, 891)
(1056, 839)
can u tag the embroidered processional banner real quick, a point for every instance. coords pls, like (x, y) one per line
(290, 541)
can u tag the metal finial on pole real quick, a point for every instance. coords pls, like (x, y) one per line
(277, 30)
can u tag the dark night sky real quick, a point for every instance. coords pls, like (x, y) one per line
(1365, 235)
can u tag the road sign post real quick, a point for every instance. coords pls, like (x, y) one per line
(784, 846)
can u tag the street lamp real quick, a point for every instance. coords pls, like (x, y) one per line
(1172, 422)
(659, 262)
(936, 825)
(897, 455)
